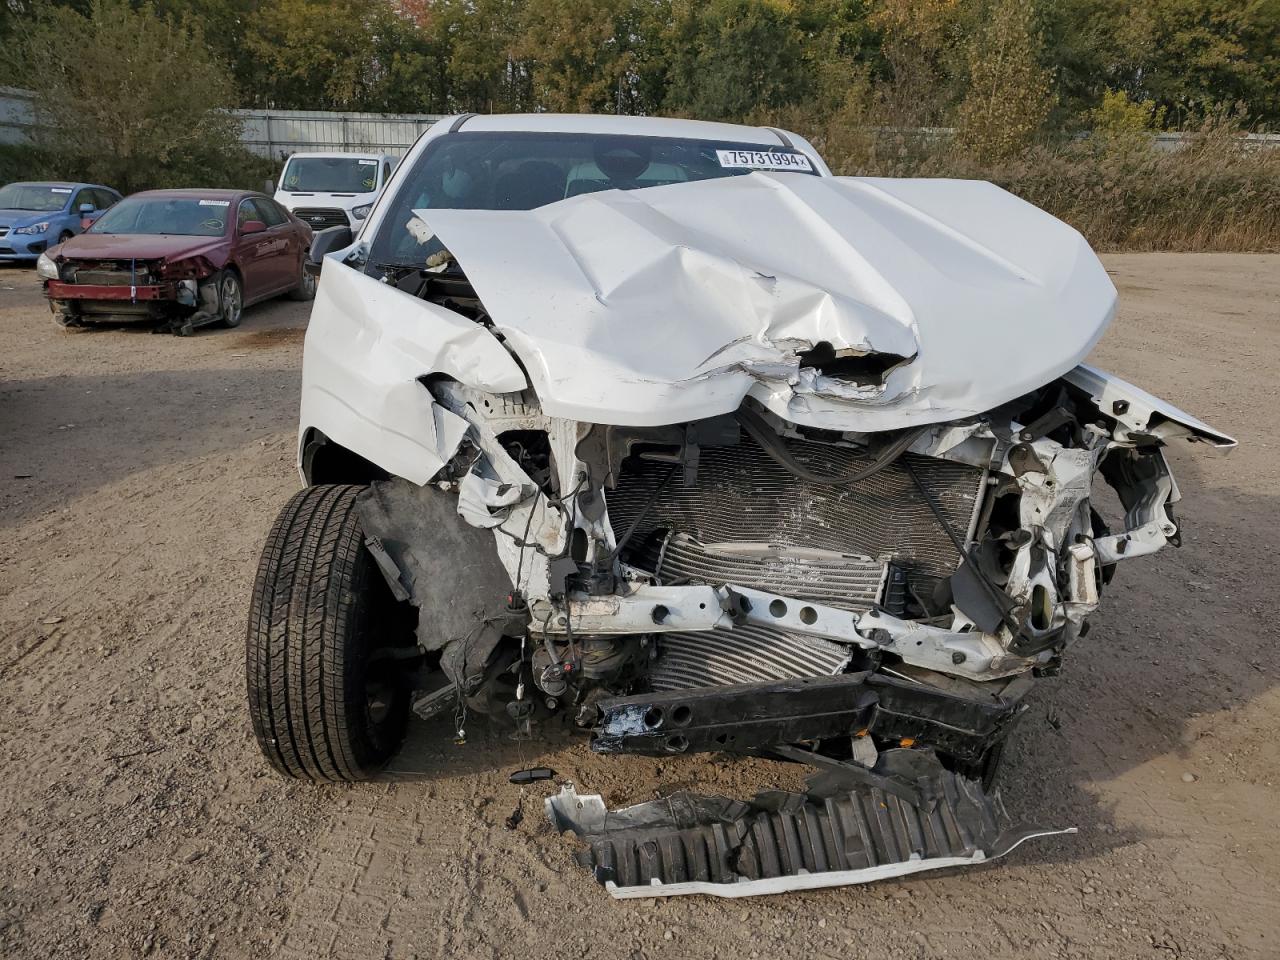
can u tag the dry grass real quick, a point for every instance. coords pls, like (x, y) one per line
(1216, 194)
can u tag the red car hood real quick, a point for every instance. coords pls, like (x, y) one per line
(107, 246)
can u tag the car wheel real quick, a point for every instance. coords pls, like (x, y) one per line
(231, 298)
(306, 288)
(64, 236)
(326, 700)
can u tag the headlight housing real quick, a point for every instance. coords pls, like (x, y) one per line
(34, 228)
(46, 268)
(362, 211)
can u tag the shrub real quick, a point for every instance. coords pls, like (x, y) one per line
(1216, 192)
(128, 98)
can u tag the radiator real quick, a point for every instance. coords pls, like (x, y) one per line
(746, 654)
(748, 520)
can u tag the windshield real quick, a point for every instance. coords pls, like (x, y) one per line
(33, 196)
(330, 175)
(523, 171)
(178, 216)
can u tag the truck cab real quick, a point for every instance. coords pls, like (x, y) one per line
(333, 189)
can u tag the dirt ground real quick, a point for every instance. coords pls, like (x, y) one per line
(138, 477)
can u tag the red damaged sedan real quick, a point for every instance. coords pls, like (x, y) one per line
(186, 258)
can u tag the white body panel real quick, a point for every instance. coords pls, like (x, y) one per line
(366, 346)
(674, 303)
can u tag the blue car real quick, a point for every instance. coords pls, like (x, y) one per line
(37, 216)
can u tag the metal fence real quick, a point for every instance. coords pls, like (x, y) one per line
(269, 133)
(17, 118)
(277, 133)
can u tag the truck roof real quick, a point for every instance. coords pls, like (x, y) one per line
(342, 153)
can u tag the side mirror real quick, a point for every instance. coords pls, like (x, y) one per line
(325, 242)
(252, 226)
(86, 209)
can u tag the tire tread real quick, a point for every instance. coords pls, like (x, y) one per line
(304, 640)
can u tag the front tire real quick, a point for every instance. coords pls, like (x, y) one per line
(323, 708)
(230, 299)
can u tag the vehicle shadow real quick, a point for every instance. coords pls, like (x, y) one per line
(1174, 648)
(65, 437)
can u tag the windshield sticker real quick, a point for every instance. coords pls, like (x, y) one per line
(367, 163)
(59, 189)
(763, 160)
(215, 203)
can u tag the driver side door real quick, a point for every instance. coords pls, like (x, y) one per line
(257, 254)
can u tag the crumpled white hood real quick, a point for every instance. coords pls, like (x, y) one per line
(674, 303)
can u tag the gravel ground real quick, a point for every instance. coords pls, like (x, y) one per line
(138, 477)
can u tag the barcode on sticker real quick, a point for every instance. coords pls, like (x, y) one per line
(763, 160)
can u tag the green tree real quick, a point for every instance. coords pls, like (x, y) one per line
(481, 42)
(1186, 55)
(129, 98)
(600, 57)
(1120, 116)
(920, 69)
(727, 58)
(340, 55)
(1008, 97)
(1192, 54)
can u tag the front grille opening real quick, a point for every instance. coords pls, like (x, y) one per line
(748, 520)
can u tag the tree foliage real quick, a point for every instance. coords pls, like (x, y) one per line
(1007, 98)
(891, 64)
(129, 97)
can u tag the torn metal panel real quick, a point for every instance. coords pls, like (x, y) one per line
(953, 280)
(778, 842)
(366, 348)
(1140, 414)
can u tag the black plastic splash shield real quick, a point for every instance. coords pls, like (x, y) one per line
(779, 842)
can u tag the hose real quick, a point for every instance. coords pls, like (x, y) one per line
(776, 450)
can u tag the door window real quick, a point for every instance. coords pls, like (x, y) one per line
(246, 212)
(268, 212)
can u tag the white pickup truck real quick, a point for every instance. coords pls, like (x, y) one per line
(333, 189)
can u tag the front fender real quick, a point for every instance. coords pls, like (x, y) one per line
(366, 348)
(1140, 415)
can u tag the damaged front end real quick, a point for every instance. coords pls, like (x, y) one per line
(650, 570)
(846, 561)
(182, 294)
